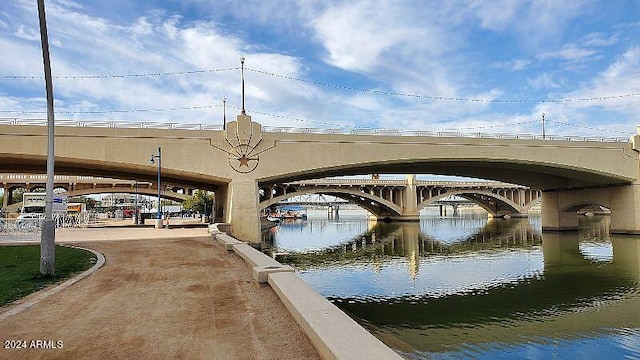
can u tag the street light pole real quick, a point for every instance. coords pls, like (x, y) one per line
(224, 113)
(159, 212)
(48, 235)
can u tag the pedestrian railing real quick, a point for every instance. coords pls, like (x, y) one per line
(298, 130)
(30, 228)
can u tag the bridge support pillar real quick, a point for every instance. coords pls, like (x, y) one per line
(5, 198)
(559, 207)
(242, 210)
(410, 200)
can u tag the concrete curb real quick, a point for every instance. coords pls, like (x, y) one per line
(332, 332)
(46, 293)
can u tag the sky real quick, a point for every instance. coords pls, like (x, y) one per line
(470, 66)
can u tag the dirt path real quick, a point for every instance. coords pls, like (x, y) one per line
(160, 299)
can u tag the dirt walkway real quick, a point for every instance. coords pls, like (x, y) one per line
(160, 299)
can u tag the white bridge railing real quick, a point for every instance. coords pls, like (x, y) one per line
(370, 182)
(296, 130)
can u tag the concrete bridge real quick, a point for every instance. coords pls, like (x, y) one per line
(403, 199)
(84, 185)
(238, 161)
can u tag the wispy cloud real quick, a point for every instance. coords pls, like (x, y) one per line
(473, 53)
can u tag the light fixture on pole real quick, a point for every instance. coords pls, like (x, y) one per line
(224, 113)
(158, 156)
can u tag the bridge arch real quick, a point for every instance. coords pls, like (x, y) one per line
(141, 191)
(375, 205)
(479, 197)
(576, 206)
(8, 195)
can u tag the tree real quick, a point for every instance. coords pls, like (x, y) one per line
(16, 196)
(201, 201)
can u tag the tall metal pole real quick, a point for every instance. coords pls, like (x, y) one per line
(48, 235)
(159, 186)
(135, 201)
(159, 211)
(224, 113)
(242, 76)
(543, 133)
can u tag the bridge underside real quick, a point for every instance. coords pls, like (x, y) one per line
(124, 171)
(559, 207)
(533, 175)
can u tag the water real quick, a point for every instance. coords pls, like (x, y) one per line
(472, 287)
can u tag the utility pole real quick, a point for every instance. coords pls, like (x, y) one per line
(48, 235)
(543, 133)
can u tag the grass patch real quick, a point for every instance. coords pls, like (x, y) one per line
(20, 269)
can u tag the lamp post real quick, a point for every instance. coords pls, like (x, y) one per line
(224, 113)
(158, 156)
(48, 235)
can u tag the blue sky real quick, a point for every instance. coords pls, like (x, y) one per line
(470, 65)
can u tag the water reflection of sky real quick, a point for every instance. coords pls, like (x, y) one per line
(435, 276)
(412, 274)
(450, 230)
(399, 283)
(597, 251)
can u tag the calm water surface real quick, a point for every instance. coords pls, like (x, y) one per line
(472, 287)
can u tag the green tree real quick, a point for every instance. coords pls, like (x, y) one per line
(201, 201)
(16, 197)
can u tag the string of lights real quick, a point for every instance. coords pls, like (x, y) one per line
(448, 98)
(327, 85)
(492, 126)
(280, 116)
(116, 111)
(117, 76)
(586, 127)
(195, 107)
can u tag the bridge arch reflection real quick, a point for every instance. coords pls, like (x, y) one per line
(566, 296)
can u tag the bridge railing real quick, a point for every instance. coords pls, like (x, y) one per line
(41, 179)
(296, 130)
(370, 182)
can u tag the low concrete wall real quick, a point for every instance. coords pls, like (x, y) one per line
(332, 332)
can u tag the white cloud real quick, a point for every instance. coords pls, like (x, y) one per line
(496, 15)
(448, 49)
(545, 80)
(357, 34)
(27, 33)
(569, 52)
(513, 65)
(609, 101)
(598, 40)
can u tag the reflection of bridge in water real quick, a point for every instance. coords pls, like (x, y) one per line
(407, 240)
(573, 295)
